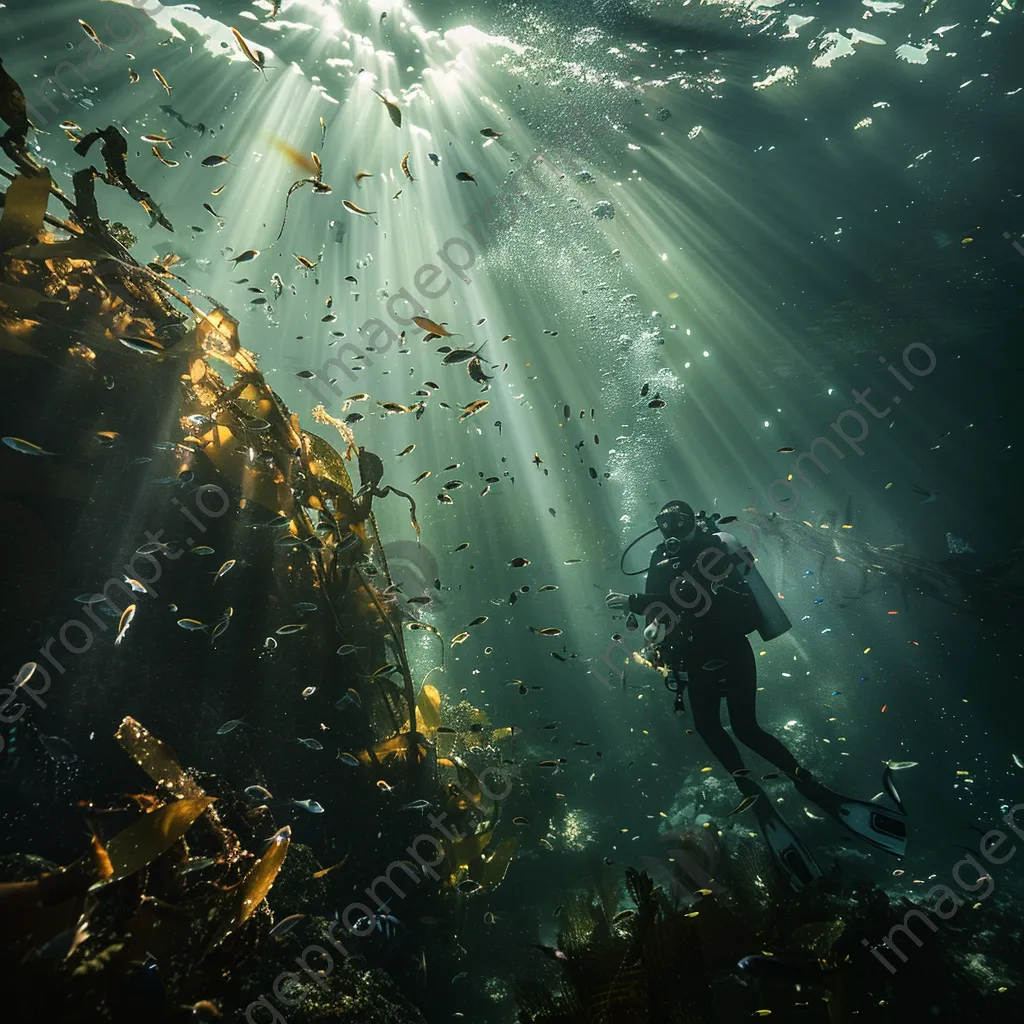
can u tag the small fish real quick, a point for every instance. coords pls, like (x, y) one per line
(349, 760)
(144, 346)
(323, 872)
(460, 355)
(126, 620)
(786, 450)
(547, 631)
(292, 627)
(91, 33)
(490, 133)
(133, 76)
(434, 159)
(771, 775)
(352, 208)
(547, 587)
(284, 926)
(1017, 760)
(159, 139)
(215, 161)
(394, 111)
(25, 673)
(519, 563)
(550, 952)
(466, 176)
(350, 700)
(460, 638)
(309, 805)
(257, 794)
(359, 175)
(405, 166)
(248, 53)
(572, 561)
(422, 476)
(347, 649)
(479, 620)
(224, 569)
(416, 805)
(198, 864)
(323, 132)
(407, 450)
(25, 447)
(746, 802)
(163, 81)
(311, 743)
(229, 726)
(167, 163)
(431, 327)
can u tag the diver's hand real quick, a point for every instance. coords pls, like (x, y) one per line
(656, 632)
(617, 602)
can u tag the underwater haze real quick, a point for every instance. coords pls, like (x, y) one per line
(352, 352)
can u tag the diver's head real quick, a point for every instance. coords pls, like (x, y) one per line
(678, 524)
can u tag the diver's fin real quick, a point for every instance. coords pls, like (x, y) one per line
(793, 859)
(881, 827)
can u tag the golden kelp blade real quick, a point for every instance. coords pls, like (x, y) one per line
(156, 759)
(497, 864)
(237, 905)
(396, 747)
(153, 834)
(428, 711)
(472, 793)
(217, 334)
(460, 854)
(24, 208)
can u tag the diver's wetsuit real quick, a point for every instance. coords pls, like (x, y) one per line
(709, 597)
(707, 639)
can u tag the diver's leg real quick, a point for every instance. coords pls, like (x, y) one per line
(706, 704)
(741, 696)
(873, 823)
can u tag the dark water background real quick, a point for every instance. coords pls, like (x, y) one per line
(803, 253)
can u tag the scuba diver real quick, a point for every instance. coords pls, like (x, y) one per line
(703, 596)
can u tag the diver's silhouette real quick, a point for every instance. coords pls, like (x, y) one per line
(703, 596)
